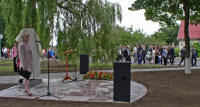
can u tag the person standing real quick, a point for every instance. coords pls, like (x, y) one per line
(156, 56)
(171, 55)
(139, 54)
(127, 54)
(119, 57)
(194, 56)
(5, 50)
(149, 56)
(164, 55)
(161, 58)
(153, 55)
(144, 54)
(15, 56)
(26, 61)
(135, 54)
(43, 53)
(182, 52)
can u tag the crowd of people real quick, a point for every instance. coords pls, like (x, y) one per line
(153, 54)
(51, 52)
(139, 54)
(7, 53)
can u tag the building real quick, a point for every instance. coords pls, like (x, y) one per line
(194, 33)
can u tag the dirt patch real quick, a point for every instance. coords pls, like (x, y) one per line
(165, 89)
(52, 64)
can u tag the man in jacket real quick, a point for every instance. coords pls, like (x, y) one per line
(182, 55)
(171, 55)
(194, 56)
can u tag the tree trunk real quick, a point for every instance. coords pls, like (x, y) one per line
(187, 38)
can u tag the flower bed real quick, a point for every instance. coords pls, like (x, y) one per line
(98, 76)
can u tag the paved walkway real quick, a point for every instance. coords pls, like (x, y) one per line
(80, 90)
(84, 90)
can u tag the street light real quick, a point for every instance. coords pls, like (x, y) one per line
(1, 37)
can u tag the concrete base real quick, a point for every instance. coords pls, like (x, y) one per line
(81, 90)
(33, 82)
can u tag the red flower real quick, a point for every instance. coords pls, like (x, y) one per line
(92, 76)
(110, 78)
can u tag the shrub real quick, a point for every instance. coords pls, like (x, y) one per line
(177, 51)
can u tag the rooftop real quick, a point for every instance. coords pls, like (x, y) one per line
(194, 31)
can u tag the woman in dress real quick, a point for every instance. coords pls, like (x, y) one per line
(26, 61)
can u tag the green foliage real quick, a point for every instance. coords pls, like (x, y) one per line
(37, 14)
(167, 12)
(30, 14)
(2, 29)
(45, 12)
(167, 34)
(87, 27)
(177, 51)
(133, 38)
(12, 13)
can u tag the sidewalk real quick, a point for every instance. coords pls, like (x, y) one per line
(162, 69)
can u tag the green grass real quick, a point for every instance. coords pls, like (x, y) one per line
(101, 66)
(8, 69)
(6, 61)
(133, 66)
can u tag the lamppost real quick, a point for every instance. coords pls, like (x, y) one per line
(1, 36)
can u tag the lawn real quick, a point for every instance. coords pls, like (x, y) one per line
(6, 67)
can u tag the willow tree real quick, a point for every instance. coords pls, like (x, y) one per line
(30, 14)
(46, 12)
(167, 12)
(88, 24)
(78, 24)
(37, 14)
(2, 26)
(12, 14)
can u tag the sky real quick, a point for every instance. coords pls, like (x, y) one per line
(136, 19)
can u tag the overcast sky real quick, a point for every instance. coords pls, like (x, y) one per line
(135, 18)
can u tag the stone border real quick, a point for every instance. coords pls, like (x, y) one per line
(137, 92)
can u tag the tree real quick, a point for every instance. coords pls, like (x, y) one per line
(2, 29)
(75, 23)
(88, 25)
(12, 14)
(171, 34)
(167, 12)
(167, 34)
